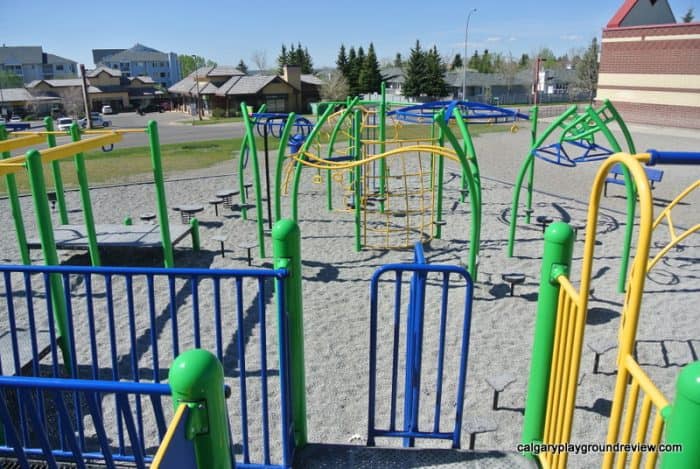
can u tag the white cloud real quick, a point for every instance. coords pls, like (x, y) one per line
(494, 39)
(570, 37)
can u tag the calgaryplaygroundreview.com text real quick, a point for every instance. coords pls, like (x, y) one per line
(585, 448)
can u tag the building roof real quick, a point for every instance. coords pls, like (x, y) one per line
(642, 12)
(64, 83)
(16, 94)
(56, 59)
(311, 79)
(143, 79)
(183, 86)
(99, 54)
(209, 88)
(223, 71)
(110, 71)
(137, 53)
(246, 85)
(18, 55)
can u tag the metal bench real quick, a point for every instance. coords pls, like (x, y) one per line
(653, 175)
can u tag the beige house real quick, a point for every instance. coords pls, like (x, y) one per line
(106, 86)
(223, 89)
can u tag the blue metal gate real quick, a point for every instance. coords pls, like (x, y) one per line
(128, 324)
(413, 324)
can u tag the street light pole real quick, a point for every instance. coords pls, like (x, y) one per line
(196, 81)
(466, 59)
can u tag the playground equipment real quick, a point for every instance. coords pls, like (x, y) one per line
(90, 236)
(561, 318)
(575, 144)
(394, 186)
(477, 113)
(65, 409)
(414, 355)
(265, 124)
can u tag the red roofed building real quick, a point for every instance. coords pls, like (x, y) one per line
(650, 65)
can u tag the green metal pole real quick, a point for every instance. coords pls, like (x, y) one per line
(279, 167)
(439, 182)
(297, 170)
(556, 261)
(241, 175)
(349, 105)
(84, 185)
(286, 249)
(162, 205)
(197, 380)
(684, 421)
(15, 206)
(194, 225)
(531, 174)
(56, 172)
(253, 158)
(48, 246)
(357, 123)
(382, 147)
(529, 160)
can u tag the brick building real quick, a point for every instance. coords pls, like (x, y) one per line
(650, 65)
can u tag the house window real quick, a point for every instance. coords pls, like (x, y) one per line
(276, 103)
(59, 67)
(162, 74)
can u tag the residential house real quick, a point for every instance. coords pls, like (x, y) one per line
(20, 102)
(32, 63)
(106, 86)
(223, 89)
(650, 65)
(141, 60)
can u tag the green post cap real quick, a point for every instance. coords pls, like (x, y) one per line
(192, 370)
(284, 228)
(558, 232)
(689, 382)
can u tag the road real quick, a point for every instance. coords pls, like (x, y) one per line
(173, 127)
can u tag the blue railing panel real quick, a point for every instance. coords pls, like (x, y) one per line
(433, 330)
(128, 324)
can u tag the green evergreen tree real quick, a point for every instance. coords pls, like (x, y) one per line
(398, 62)
(457, 62)
(341, 62)
(435, 68)
(242, 67)
(353, 72)
(370, 78)
(282, 59)
(689, 16)
(475, 61)
(486, 62)
(524, 61)
(414, 83)
(587, 70)
(308, 65)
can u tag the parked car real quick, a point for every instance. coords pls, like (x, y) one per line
(151, 107)
(15, 119)
(107, 109)
(2, 120)
(97, 121)
(64, 123)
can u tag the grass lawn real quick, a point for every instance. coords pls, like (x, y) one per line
(134, 164)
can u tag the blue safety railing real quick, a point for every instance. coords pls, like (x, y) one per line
(41, 419)
(450, 362)
(128, 324)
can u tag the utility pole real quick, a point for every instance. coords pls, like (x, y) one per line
(196, 81)
(85, 96)
(466, 59)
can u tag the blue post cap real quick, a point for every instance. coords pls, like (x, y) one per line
(295, 142)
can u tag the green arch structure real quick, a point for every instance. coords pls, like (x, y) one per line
(464, 151)
(574, 127)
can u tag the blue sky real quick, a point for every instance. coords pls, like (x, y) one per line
(228, 31)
